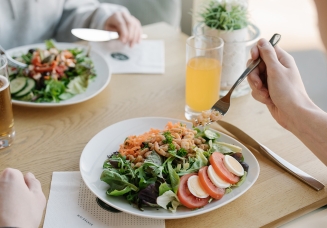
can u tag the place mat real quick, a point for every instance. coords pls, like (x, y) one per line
(147, 57)
(71, 204)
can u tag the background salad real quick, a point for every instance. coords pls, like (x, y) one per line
(52, 74)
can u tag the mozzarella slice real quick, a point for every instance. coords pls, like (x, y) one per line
(233, 165)
(195, 187)
(215, 179)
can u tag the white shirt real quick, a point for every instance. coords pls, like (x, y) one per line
(25, 22)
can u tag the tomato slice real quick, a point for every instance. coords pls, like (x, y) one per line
(214, 191)
(217, 161)
(185, 196)
(36, 61)
(42, 69)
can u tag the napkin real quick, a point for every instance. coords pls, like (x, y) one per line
(147, 57)
(71, 204)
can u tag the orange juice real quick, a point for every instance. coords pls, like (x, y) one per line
(202, 83)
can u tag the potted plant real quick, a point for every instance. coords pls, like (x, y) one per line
(227, 19)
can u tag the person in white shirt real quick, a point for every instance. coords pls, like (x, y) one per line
(25, 22)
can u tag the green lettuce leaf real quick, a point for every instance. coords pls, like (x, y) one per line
(116, 182)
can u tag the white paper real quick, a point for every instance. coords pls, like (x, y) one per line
(71, 204)
(147, 57)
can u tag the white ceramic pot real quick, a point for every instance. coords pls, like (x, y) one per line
(235, 54)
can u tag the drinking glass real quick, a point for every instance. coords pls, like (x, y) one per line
(7, 131)
(204, 55)
(237, 46)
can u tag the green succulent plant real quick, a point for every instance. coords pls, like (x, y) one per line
(225, 16)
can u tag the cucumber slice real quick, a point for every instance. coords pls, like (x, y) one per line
(232, 147)
(210, 134)
(28, 88)
(17, 85)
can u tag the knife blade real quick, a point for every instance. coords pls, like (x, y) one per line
(97, 35)
(246, 139)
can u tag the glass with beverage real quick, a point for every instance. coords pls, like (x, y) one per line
(7, 131)
(204, 56)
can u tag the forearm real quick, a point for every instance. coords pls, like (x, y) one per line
(310, 126)
(321, 7)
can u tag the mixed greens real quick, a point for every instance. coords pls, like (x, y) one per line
(156, 181)
(52, 75)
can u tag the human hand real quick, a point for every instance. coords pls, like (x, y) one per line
(21, 199)
(127, 26)
(277, 83)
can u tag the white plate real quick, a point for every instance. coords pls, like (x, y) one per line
(108, 140)
(102, 71)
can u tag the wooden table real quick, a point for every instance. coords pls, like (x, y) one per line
(52, 139)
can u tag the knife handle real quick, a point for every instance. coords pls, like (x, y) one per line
(303, 176)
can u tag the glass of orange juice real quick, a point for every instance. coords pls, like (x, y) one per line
(204, 56)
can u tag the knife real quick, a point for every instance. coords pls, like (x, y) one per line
(298, 173)
(96, 35)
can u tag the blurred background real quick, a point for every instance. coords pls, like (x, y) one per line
(295, 20)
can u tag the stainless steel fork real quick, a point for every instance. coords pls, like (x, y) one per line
(11, 61)
(222, 105)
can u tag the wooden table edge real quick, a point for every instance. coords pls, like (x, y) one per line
(297, 214)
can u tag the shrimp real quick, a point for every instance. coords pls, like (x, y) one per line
(143, 151)
(197, 141)
(139, 159)
(186, 144)
(177, 130)
(188, 135)
(178, 141)
(137, 165)
(176, 136)
(176, 145)
(147, 154)
(160, 151)
(160, 137)
(164, 147)
(203, 146)
(202, 139)
(130, 157)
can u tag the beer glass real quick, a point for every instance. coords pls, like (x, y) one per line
(7, 131)
(204, 56)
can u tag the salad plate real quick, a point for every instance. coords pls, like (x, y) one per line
(108, 140)
(96, 85)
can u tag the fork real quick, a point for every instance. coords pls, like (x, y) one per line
(220, 108)
(11, 61)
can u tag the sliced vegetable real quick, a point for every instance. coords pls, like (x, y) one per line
(216, 160)
(17, 85)
(210, 188)
(30, 85)
(232, 147)
(185, 196)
